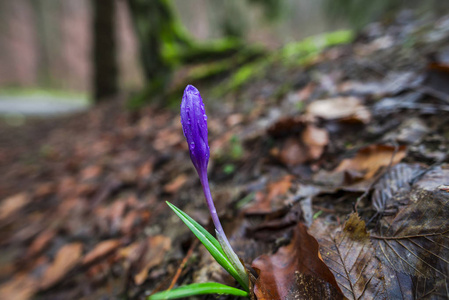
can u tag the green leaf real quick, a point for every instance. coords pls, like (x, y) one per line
(211, 244)
(233, 258)
(198, 289)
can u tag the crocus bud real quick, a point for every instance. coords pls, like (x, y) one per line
(194, 125)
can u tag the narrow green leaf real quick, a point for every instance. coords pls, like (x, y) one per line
(233, 258)
(198, 289)
(211, 244)
(203, 231)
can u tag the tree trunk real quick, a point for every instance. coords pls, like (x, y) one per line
(164, 44)
(105, 81)
(160, 36)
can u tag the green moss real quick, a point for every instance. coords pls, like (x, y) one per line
(236, 148)
(293, 54)
(303, 51)
(243, 75)
(228, 169)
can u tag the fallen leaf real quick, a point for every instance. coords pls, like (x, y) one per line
(20, 287)
(131, 253)
(368, 160)
(398, 285)
(45, 189)
(174, 185)
(11, 205)
(416, 240)
(167, 138)
(131, 219)
(316, 139)
(392, 84)
(343, 108)
(268, 201)
(91, 172)
(411, 131)
(305, 92)
(66, 258)
(234, 119)
(393, 188)
(413, 244)
(146, 169)
(295, 272)
(40, 242)
(102, 249)
(116, 214)
(157, 247)
(293, 152)
(349, 254)
(286, 126)
(437, 77)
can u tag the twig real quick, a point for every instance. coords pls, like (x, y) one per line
(183, 264)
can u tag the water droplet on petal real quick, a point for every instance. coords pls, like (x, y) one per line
(192, 145)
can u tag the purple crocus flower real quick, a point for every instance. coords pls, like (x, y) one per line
(194, 125)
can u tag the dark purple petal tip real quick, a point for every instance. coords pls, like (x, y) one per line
(194, 125)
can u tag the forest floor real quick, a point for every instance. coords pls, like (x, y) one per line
(331, 178)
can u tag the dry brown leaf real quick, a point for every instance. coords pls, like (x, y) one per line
(416, 240)
(102, 249)
(368, 160)
(13, 204)
(286, 126)
(21, 287)
(437, 77)
(349, 254)
(91, 172)
(234, 119)
(293, 152)
(266, 202)
(295, 272)
(40, 242)
(393, 188)
(316, 139)
(131, 219)
(167, 138)
(174, 185)
(131, 252)
(413, 244)
(45, 189)
(305, 92)
(66, 258)
(344, 108)
(146, 169)
(116, 214)
(157, 247)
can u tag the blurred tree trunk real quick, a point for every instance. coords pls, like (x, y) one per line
(43, 27)
(105, 81)
(160, 36)
(164, 44)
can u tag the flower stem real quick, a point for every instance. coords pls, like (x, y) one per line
(223, 240)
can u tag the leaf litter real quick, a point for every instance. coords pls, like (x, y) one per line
(348, 252)
(356, 146)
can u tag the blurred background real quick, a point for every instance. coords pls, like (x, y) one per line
(91, 144)
(52, 49)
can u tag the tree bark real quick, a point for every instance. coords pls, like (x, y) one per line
(105, 73)
(160, 36)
